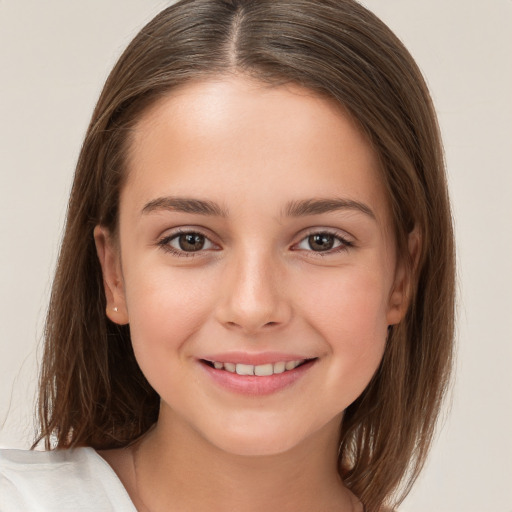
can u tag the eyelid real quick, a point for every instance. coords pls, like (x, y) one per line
(338, 233)
(346, 241)
(164, 241)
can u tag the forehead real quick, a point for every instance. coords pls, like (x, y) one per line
(235, 137)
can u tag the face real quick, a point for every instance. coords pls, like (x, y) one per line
(255, 262)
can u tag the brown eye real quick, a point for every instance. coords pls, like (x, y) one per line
(191, 242)
(187, 243)
(321, 241)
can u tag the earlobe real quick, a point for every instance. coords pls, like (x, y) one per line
(404, 278)
(108, 255)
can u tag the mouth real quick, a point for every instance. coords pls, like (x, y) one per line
(261, 370)
(256, 374)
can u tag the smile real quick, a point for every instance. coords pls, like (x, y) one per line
(262, 370)
(256, 374)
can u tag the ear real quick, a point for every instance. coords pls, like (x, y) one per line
(404, 277)
(110, 261)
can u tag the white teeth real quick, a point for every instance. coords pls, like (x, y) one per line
(230, 367)
(290, 365)
(244, 369)
(279, 367)
(262, 370)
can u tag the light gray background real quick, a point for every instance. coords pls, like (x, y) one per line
(54, 57)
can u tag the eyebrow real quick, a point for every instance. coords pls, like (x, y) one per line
(297, 208)
(306, 207)
(185, 205)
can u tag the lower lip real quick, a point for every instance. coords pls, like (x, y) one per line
(254, 385)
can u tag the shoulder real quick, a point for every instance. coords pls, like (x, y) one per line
(64, 480)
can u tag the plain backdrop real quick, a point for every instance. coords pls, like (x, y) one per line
(54, 58)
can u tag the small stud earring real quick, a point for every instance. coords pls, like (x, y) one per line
(115, 309)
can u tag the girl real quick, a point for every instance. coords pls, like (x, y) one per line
(253, 305)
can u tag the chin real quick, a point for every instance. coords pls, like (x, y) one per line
(265, 437)
(259, 444)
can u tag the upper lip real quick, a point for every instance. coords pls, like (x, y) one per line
(255, 359)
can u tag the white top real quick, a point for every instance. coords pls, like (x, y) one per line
(77, 480)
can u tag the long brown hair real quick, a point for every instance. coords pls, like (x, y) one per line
(92, 391)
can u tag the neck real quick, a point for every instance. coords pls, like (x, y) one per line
(175, 468)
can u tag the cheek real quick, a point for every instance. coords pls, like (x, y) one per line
(352, 304)
(349, 312)
(165, 309)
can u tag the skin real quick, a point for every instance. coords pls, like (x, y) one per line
(256, 286)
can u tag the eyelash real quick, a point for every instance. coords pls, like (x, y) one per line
(164, 243)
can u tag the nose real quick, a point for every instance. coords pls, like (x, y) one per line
(253, 295)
